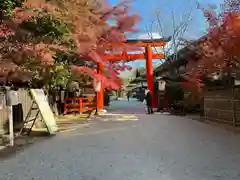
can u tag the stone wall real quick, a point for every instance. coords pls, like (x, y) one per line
(222, 105)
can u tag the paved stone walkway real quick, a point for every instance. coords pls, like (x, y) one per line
(127, 107)
(154, 147)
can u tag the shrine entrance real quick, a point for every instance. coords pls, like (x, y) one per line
(148, 55)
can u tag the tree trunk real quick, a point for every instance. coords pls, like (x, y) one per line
(52, 101)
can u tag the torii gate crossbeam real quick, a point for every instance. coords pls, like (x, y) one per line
(124, 56)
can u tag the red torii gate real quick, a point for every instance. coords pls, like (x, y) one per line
(148, 55)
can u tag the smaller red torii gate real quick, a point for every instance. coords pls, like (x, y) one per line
(124, 56)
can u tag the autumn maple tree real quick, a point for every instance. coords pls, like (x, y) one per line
(42, 37)
(218, 50)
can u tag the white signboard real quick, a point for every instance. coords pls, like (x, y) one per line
(45, 110)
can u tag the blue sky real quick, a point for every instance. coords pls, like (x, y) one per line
(146, 8)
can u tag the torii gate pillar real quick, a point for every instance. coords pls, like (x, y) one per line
(100, 103)
(148, 55)
(149, 73)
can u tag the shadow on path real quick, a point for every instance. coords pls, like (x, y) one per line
(21, 143)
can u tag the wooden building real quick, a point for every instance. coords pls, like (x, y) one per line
(221, 92)
(173, 72)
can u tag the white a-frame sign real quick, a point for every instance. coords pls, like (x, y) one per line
(40, 103)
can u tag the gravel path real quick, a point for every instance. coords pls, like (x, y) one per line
(153, 147)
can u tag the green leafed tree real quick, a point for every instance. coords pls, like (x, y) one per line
(38, 30)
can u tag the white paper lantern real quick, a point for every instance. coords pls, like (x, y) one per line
(12, 97)
(97, 85)
(161, 85)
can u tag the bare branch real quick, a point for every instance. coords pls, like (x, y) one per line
(151, 36)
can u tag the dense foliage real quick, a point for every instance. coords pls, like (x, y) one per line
(218, 50)
(7, 6)
(35, 32)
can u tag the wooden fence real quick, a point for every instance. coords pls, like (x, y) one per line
(222, 105)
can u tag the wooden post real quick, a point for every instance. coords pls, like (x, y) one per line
(10, 117)
(11, 131)
(65, 108)
(80, 105)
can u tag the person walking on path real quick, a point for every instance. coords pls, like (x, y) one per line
(128, 95)
(148, 99)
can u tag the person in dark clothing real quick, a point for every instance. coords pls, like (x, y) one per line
(148, 99)
(128, 95)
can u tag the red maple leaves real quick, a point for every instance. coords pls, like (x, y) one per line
(88, 29)
(5, 31)
(218, 51)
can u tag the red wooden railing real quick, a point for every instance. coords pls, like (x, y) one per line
(79, 105)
